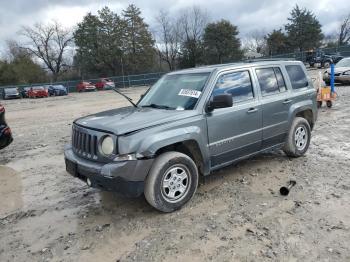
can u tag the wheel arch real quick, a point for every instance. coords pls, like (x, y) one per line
(306, 110)
(190, 148)
(308, 115)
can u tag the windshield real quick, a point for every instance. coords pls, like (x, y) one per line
(177, 91)
(11, 90)
(343, 63)
(61, 87)
(38, 88)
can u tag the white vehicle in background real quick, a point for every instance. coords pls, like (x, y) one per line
(341, 72)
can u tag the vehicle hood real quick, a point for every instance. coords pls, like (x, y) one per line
(129, 119)
(338, 70)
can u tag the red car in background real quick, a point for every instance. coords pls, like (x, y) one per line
(105, 83)
(85, 86)
(37, 91)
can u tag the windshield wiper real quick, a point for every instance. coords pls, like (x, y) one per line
(125, 96)
(158, 106)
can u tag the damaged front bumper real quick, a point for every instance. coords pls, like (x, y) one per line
(125, 177)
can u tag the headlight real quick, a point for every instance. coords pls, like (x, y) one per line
(107, 146)
(347, 73)
(126, 157)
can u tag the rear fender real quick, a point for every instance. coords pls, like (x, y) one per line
(300, 107)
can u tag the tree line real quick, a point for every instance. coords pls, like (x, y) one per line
(108, 43)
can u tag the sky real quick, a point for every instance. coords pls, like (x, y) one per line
(248, 15)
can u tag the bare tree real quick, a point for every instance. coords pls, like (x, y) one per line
(14, 50)
(193, 23)
(169, 40)
(255, 41)
(48, 43)
(344, 32)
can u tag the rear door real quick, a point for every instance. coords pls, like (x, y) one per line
(235, 132)
(275, 105)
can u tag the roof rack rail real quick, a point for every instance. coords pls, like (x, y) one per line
(268, 59)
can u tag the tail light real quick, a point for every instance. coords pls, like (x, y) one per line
(7, 131)
(2, 109)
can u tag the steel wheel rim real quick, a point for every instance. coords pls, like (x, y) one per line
(301, 137)
(176, 183)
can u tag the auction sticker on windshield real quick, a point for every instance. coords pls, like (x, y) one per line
(190, 93)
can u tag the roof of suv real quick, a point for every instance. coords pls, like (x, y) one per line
(211, 68)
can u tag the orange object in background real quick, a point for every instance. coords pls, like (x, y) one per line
(324, 94)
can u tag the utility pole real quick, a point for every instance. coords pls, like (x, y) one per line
(121, 61)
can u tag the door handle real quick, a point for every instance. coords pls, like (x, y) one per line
(252, 110)
(287, 101)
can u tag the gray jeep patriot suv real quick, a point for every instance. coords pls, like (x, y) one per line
(190, 123)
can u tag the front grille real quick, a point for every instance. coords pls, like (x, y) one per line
(84, 143)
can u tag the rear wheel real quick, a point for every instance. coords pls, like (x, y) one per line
(329, 104)
(298, 139)
(172, 181)
(319, 104)
(326, 64)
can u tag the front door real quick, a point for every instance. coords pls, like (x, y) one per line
(236, 131)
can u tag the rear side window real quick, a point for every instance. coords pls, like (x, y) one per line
(238, 84)
(267, 81)
(297, 76)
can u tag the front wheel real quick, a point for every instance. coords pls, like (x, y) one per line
(298, 139)
(172, 181)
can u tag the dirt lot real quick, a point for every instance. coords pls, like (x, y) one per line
(236, 215)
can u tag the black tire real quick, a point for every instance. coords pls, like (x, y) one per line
(319, 104)
(290, 148)
(155, 188)
(329, 104)
(327, 64)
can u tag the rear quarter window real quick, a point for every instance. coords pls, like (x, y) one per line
(297, 76)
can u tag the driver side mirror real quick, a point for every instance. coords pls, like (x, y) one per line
(219, 101)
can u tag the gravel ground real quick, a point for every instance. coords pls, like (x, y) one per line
(236, 215)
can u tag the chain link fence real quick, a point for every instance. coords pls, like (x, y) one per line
(120, 82)
(302, 56)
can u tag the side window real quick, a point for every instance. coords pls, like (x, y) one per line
(267, 81)
(280, 79)
(297, 76)
(238, 84)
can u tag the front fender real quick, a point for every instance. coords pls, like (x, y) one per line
(147, 143)
(156, 141)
